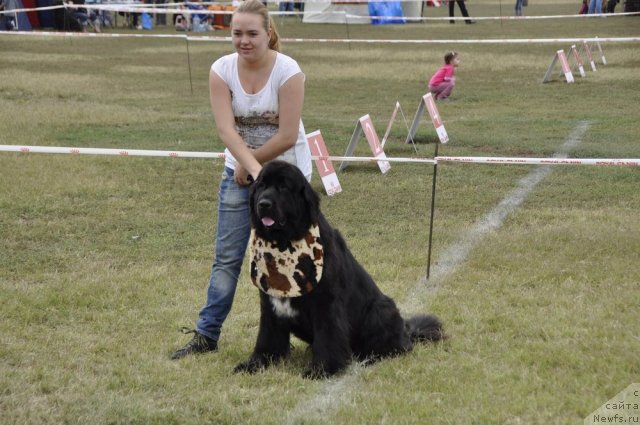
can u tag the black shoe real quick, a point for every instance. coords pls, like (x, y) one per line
(199, 344)
(470, 22)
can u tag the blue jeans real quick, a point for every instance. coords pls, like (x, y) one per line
(232, 238)
(285, 6)
(595, 6)
(518, 7)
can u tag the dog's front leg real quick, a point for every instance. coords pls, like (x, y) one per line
(330, 348)
(273, 342)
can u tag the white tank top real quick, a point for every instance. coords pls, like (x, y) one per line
(256, 114)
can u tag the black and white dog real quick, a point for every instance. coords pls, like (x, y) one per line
(312, 286)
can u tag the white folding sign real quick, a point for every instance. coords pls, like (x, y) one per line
(429, 103)
(323, 163)
(587, 49)
(604, 60)
(564, 63)
(576, 56)
(365, 126)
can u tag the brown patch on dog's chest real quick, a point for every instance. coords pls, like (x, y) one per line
(273, 278)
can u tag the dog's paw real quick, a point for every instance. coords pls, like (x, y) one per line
(250, 366)
(321, 372)
(315, 373)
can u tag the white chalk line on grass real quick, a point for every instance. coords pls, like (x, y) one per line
(337, 390)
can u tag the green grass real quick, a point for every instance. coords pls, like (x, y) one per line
(102, 259)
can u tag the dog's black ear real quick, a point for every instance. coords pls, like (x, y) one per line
(313, 202)
(252, 195)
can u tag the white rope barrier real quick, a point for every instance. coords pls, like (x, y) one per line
(174, 154)
(464, 41)
(113, 152)
(628, 162)
(181, 9)
(479, 18)
(634, 162)
(327, 40)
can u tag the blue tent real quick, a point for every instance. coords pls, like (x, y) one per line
(386, 9)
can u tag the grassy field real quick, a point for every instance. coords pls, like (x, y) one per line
(102, 259)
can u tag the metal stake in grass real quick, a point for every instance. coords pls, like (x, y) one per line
(346, 21)
(433, 207)
(186, 38)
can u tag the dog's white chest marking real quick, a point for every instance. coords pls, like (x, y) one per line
(282, 308)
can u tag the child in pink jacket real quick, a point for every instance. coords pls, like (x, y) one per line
(442, 83)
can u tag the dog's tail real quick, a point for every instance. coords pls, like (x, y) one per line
(424, 328)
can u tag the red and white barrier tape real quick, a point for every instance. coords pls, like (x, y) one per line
(629, 162)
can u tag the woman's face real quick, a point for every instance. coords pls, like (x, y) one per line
(249, 37)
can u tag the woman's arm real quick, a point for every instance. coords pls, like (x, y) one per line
(220, 97)
(290, 102)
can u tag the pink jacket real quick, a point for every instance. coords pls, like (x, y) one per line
(443, 74)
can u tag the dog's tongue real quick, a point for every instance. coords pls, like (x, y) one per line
(267, 221)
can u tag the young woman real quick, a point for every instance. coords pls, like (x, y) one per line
(256, 97)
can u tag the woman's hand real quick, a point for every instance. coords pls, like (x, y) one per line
(241, 176)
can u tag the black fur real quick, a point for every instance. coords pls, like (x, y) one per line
(346, 316)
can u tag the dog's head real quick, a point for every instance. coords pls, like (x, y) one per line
(283, 203)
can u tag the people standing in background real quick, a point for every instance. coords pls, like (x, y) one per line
(595, 6)
(519, 7)
(463, 10)
(7, 22)
(285, 6)
(85, 17)
(584, 9)
(161, 16)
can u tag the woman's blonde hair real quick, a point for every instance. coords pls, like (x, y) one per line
(258, 8)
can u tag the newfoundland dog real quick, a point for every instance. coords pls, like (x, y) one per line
(311, 286)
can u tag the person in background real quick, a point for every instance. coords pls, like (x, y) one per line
(443, 81)
(7, 21)
(285, 6)
(199, 21)
(519, 7)
(463, 9)
(256, 97)
(161, 15)
(87, 18)
(611, 6)
(584, 9)
(595, 6)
